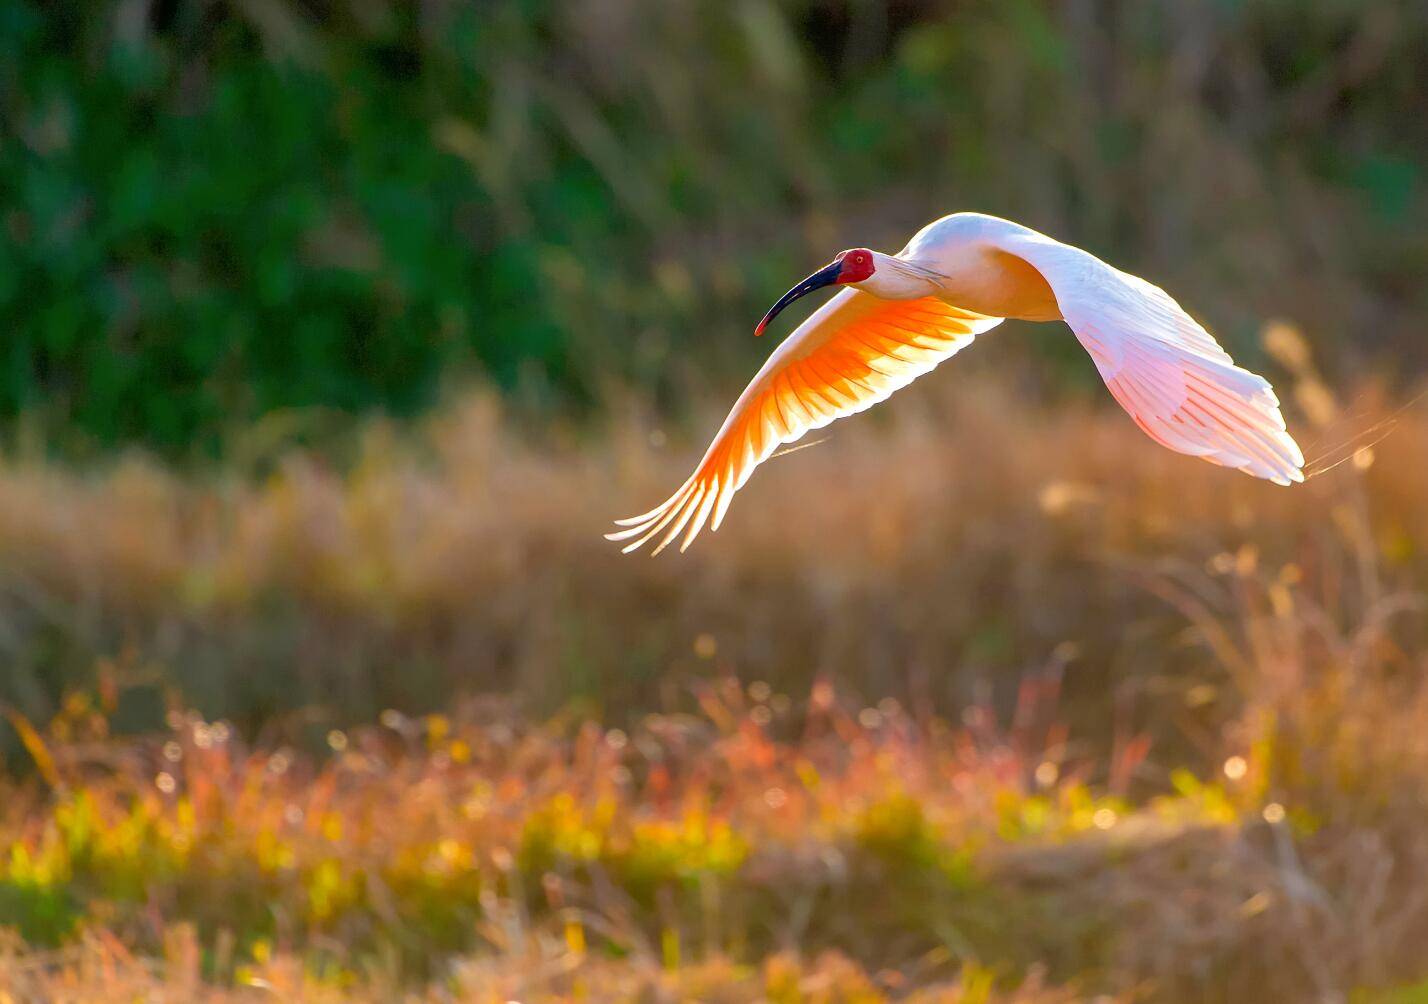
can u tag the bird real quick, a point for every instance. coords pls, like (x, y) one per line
(896, 317)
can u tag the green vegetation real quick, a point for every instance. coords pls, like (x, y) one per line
(213, 215)
(334, 335)
(894, 853)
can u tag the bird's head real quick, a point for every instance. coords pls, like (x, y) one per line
(853, 265)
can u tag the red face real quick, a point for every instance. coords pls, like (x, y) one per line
(857, 265)
(853, 265)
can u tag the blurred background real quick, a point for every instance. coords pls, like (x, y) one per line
(336, 333)
(217, 213)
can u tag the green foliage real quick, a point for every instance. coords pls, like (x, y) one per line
(181, 254)
(212, 214)
(43, 914)
(1415, 994)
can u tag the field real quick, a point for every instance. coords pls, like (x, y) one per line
(1025, 710)
(334, 334)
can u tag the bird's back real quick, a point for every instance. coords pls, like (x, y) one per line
(967, 249)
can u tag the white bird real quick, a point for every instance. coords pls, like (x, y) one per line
(900, 315)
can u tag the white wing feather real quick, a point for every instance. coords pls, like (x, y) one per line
(1166, 371)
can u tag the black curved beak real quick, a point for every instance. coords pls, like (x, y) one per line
(826, 276)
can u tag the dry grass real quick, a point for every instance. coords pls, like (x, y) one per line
(1029, 708)
(966, 536)
(100, 969)
(560, 857)
(702, 856)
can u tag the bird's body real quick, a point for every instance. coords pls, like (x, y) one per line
(958, 277)
(961, 261)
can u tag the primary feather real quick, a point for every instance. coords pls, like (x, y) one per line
(852, 353)
(1165, 370)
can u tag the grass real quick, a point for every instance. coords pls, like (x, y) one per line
(1025, 709)
(758, 847)
(985, 698)
(980, 533)
(681, 846)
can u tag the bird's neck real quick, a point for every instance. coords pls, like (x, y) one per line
(982, 279)
(896, 279)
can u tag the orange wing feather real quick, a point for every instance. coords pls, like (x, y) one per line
(854, 352)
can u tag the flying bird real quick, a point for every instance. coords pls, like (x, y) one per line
(898, 316)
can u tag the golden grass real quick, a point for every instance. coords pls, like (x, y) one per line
(703, 856)
(1029, 708)
(954, 540)
(99, 969)
(571, 855)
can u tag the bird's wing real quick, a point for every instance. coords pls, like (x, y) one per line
(1166, 371)
(853, 352)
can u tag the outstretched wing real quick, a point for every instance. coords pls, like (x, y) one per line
(1166, 371)
(853, 352)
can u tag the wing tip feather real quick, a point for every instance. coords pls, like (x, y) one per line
(808, 392)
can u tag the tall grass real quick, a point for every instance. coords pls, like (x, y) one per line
(1188, 747)
(962, 539)
(983, 695)
(764, 847)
